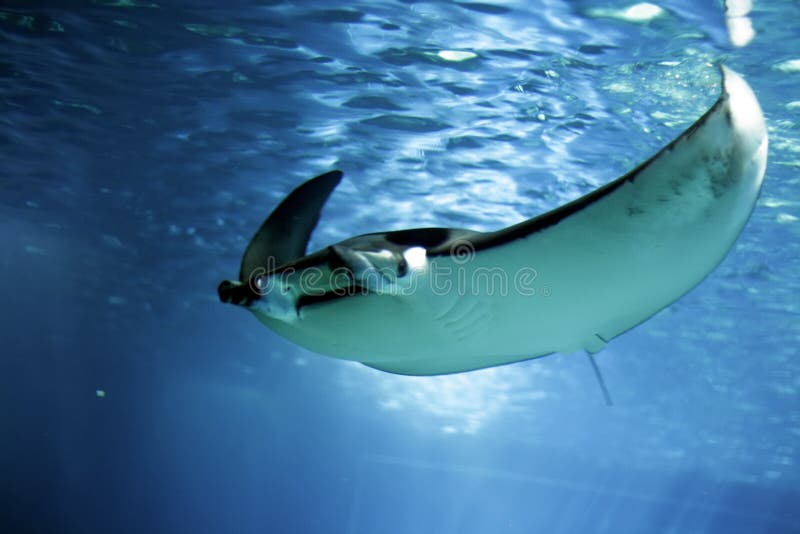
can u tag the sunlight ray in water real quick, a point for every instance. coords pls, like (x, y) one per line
(455, 404)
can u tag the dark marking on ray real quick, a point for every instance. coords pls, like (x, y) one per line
(633, 211)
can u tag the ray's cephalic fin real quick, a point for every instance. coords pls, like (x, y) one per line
(282, 237)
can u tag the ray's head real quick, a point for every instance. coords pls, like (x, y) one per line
(277, 280)
(355, 268)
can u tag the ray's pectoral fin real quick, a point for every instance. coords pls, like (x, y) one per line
(283, 237)
(614, 258)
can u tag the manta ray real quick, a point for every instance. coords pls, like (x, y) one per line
(431, 301)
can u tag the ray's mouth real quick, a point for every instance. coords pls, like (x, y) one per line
(241, 294)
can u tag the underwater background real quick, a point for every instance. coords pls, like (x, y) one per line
(143, 142)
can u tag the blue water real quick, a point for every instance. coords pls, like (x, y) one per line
(141, 144)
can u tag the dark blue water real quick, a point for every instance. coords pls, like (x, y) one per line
(141, 144)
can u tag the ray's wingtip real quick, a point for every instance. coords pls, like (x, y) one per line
(734, 84)
(728, 73)
(728, 76)
(743, 104)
